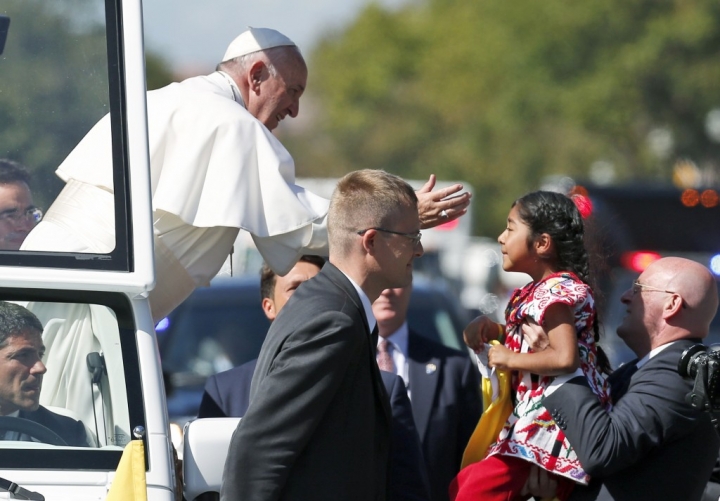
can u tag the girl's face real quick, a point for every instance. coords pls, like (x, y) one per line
(518, 254)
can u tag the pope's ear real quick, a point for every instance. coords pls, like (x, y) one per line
(255, 75)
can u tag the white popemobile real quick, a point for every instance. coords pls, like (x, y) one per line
(87, 58)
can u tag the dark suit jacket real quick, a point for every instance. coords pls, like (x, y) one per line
(651, 446)
(318, 425)
(408, 475)
(227, 394)
(446, 400)
(70, 430)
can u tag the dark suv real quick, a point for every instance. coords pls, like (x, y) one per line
(635, 224)
(221, 326)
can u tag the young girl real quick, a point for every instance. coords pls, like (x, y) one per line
(543, 238)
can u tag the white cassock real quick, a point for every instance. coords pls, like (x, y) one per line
(215, 169)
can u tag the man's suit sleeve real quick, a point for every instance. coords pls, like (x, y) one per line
(290, 402)
(408, 474)
(210, 403)
(72, 431)
(652, 411)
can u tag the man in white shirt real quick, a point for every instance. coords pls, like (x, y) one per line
(652, 444)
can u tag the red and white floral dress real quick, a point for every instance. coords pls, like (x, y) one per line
(530, 433)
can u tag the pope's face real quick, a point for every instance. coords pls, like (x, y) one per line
(21, 372)
(279, 95)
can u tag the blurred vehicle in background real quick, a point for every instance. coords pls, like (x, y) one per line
(222, 326)
(632, 226)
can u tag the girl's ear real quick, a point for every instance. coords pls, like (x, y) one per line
(543, 246)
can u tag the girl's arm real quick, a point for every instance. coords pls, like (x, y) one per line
(560, 357)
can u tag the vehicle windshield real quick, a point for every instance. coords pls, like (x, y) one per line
(60, 76)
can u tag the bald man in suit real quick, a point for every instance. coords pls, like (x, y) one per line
(653, 444)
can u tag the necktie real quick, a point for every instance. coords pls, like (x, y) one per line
(384, 360)
(374, 335)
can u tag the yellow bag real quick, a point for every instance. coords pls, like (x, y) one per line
(494, 416)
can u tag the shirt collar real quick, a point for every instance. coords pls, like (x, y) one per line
(367, 306)
(399, 338)
(237, 96)
(653, 353)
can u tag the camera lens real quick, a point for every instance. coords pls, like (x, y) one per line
(686, 364)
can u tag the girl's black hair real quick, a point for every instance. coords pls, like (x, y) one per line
(558, 216)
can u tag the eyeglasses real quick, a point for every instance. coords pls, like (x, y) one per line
(415, 237)
(637, 287)
(16, 216)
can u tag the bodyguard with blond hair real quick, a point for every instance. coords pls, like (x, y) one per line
(318, 425)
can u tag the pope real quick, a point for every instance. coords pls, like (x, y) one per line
(215, 168)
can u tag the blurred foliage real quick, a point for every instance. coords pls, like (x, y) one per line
(503, 94)
(157, 71)
(54, 83)
(51, 91)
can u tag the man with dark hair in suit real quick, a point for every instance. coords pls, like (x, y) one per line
(227, 394)
(652, 444)
(443, 385)
(21, 374)
(318, 425)
(18, 214)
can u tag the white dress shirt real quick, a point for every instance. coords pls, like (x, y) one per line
(367, 305)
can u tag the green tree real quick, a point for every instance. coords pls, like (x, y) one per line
(157, 71)
(51, 89)
(54, 83)
(502, 94)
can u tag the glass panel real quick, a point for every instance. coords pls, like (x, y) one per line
(82, 397)
(75, 397)
(60, 80)
(54, 88)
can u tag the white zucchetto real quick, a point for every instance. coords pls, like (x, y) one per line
(256, 39)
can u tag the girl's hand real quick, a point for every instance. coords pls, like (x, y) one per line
(540, 484)
(499, 357)
(479, 332)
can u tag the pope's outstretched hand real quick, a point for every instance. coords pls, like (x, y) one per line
(440, 206)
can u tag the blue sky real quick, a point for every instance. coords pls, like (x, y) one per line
(193, 34)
